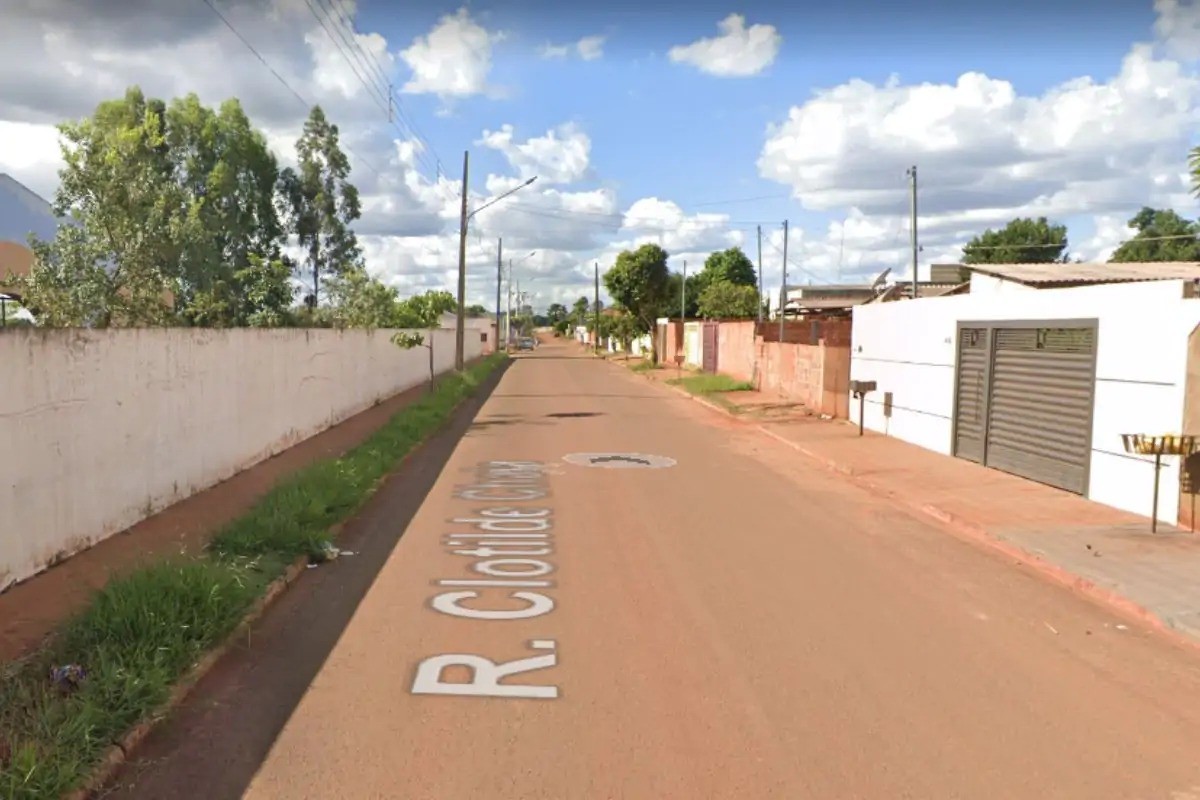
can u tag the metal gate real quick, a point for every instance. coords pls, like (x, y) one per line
(708, 354)
(1024, 397)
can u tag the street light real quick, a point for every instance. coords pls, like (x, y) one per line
(508, 314)
(459, 325)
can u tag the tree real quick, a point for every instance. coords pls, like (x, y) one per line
(727, 300)
(113, 263)
(227, 176)
(360, 301)
(321, 203)
(638, 282)
(1022, 241)
(556, 313)
(425, 310)
(1153, 224)
(691, 298)
(580, 310)
(730, 265)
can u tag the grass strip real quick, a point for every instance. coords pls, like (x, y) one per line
(712, 386)
(145, 629)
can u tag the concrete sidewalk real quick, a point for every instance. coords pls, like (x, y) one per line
(1101, 552)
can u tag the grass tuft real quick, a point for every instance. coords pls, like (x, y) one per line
(146, 628)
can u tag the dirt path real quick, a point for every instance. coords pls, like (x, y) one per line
(735, 625)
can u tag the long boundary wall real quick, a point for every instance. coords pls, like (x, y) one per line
(100, 429)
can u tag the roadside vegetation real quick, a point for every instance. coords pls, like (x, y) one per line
(115, 664)
(713, 387)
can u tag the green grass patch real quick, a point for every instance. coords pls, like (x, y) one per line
(143, 630)
(643, 366)
(709, 383)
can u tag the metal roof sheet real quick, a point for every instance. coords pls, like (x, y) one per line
(1092, 272)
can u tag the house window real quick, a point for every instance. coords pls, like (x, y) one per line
(483, 337)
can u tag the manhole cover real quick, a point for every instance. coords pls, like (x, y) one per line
(619, 460)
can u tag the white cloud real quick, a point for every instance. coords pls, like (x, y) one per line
(560, 156)
(453, 59)
(738, 52)
(1178, 26)
(589, 48)
(986, 154)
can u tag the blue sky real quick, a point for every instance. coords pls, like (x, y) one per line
(1008, 110)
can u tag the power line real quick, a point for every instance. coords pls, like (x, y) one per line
(282, 80)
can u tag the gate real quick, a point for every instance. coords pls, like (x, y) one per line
(1024, 396)
(708, 355)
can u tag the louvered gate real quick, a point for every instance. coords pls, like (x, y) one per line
(1038, 382)
(970, 411)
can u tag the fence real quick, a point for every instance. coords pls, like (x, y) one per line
(102, 428)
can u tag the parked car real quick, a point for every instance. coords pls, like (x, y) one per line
(525, 343)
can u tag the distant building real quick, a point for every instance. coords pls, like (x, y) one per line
(22, 212)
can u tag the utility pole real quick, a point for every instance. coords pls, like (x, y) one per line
(459, 324)
(596, 308)
(499, 278)
(760, 278)
(783, 287)
(508, 313)
(912, 187)
(683, 296)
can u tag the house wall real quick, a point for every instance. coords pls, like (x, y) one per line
(908, 348)
(736, 349)
(104, 427)
(15, 260)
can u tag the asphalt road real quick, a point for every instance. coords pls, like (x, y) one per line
(739, 624)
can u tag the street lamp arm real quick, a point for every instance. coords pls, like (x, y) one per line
(495, 200)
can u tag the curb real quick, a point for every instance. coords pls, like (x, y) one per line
(123, 748)
(971, 532)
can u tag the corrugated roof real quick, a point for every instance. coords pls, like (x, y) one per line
(1092, 272)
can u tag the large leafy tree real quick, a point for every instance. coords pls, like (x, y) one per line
(231, 227)
(115, 264)
(320, 203)
(728, 300)
(580, 310)
(425, 310)
(1150, 244)
(730, 265)
(556, 313)
(638, 282)
(1022, 241)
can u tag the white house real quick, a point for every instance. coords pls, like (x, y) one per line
(1039, 369)
(482, 326)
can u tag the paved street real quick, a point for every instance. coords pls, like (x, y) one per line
(737, 624)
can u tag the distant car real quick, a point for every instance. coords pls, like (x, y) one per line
(525, 344)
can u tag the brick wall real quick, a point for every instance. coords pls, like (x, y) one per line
(735, 349)
(812, 371)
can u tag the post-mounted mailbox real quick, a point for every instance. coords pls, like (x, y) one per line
(859, 389)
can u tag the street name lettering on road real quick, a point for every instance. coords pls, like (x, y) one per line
(619, 460)
(510, 542)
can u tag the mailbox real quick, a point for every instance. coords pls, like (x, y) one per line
(859, 388)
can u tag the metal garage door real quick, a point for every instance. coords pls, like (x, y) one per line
(970, 414)
(1037, 381)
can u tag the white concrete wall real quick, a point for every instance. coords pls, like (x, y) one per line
(908, 348)
(101, 428)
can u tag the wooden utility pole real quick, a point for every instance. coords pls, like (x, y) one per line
(783, 286)
(460, 323)
(912, 187)
(760, 277)
(499, 278)
(596, 308)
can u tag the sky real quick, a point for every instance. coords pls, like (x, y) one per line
(687, 124)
